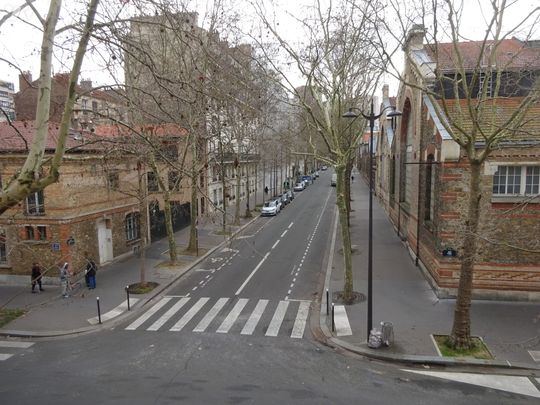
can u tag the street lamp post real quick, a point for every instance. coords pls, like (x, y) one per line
(371, 118)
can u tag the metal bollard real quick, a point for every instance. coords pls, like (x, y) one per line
(327, 304)
(98, 310)
(127, 293)
(333, 323)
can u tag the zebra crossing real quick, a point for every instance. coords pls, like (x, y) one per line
(225, 315)
(12, 346)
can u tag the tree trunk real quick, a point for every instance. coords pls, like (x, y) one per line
(248, 195)
(169, 226)
(193, 245)
(345, 234)
(237, 200)
(143, 224)
(461, 329)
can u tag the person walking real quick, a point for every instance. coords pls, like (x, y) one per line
(36, 277)
(64, 280)
(90, 272)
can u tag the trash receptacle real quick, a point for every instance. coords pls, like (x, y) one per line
(387, 332)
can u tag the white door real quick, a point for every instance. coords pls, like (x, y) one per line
(104, 242)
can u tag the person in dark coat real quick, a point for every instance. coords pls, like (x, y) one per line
(90, 273)
(36, 277)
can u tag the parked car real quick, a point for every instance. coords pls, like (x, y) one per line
(279, 204)
(270, 208)
(307, 179)
(285, 199)
(333, 181)
(316, 174)
(299, 186)
(324, 168)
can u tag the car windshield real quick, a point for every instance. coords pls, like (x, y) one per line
(267, 204)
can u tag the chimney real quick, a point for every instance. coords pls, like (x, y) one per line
(415, 38)
(86, 84)
(25, 80)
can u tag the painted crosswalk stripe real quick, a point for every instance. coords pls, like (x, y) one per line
(254, 318)
(167, 315)
(203, 324)
(233, 315)
(148, 314)
(277, 319)
(18, 345)
(189, 314)
(300, 322)
(4, 356)
(343, 328)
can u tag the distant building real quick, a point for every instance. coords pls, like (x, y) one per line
(92, 107)
(7, 102)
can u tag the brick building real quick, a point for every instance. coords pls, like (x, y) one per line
(94, 207)
(423, 174)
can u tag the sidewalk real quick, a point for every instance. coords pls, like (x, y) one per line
(402, 296)
(48, 314)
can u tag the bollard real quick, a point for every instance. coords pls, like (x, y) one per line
(127, 292)
(327, 304)
(333, 323)
(98, 310)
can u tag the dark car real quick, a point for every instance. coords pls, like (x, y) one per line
(307, 179)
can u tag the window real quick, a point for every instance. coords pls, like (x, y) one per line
(113, 181)
(174, 180)
(3, 246)
(35, 203)
(153, 185)
(29, 232)
(84, 104)
(516, 180)
(95, 106)
(42, 232)
(485, 80)
(132, 226)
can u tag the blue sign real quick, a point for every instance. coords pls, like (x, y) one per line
(56, 247)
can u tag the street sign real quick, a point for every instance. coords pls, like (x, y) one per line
(55, 247)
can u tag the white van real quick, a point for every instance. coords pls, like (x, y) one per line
(334, 180)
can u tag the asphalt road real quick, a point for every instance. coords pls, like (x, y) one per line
(236, 330)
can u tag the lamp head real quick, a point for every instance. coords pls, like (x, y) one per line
(350, 114)
(394, 113)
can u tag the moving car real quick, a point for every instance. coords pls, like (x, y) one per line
(333, 181)
(270, 208)
(324, 168)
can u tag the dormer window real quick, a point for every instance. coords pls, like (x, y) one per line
(485, 80)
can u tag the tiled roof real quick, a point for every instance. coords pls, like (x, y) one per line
(19, 137)
(162, 130)
(511, 54)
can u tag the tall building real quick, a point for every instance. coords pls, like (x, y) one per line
(7, 103)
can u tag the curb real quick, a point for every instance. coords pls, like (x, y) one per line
(126, 314)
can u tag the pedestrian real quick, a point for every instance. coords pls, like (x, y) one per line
(90, 272)
(36, 277)
(352, 178)
(265, 189)
(64, 280)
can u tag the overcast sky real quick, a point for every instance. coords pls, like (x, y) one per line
(20, 43)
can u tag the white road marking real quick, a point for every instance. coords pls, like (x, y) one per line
(204, 269)
(535, 355)
(277, 319)
(139, 321)
(167, 315)
(254, 318)
(275, 244)
(189, 314)
(113, 313)
(252, 273)
(12, 343)
(5, 356)
(300, 322)
(291, 224)
(284, 232)
(205, 322)
(228, 322)
(515, 384)
(343, 328)
(194, 288)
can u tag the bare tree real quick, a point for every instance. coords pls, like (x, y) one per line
(36, 174)
(468, 87)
